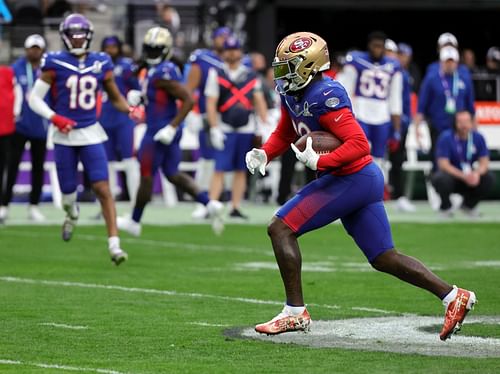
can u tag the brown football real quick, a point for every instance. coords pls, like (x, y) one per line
(322, 142)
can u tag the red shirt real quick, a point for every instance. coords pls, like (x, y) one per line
(349, 158)
(7, 120)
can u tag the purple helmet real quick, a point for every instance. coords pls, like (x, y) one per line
(76, 33)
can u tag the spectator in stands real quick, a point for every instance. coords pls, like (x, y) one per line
(233, 92)
(444, 91)
(30, 127)
(7, 108)
(397, 150)
(457, 152)
(487, 78)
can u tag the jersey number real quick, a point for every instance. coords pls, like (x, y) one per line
(83, 91)
(374, 83)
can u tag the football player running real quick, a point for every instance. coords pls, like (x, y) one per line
(160, 146)
(74, 77)
(349, 186)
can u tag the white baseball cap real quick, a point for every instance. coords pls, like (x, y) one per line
(447, 38)
(390, 45)
(449, 53)
(34, 40)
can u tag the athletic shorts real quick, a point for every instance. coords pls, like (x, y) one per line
(355, 199)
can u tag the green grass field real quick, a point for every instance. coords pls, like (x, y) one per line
(172, 307)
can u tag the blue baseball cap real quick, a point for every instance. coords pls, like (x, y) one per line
(111, 40)
(232, 42)
(221, 31)
(405, 49)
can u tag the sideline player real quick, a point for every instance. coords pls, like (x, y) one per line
(374, 82)
(160, 146)
(349, 186)
(119, 126)
(74, 77)
(200, 62)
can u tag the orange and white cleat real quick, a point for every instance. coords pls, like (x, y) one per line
(456, 312)
(284, 322)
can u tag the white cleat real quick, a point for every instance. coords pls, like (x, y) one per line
(405, 205)
(216, 213)
(129, 225)
(118, 256)
(4, 213)
(72, 213)
(201, 212)
(35, 215)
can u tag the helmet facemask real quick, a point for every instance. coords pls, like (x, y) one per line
(286, 76)
(299, 57)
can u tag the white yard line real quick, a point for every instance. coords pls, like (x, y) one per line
(64, 326)
(58, 367)
(153, 243)
(167, 292)
(207, 324)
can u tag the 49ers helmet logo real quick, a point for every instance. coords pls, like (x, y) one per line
(300, 44)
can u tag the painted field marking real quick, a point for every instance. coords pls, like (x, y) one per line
(154, 243)
(207, 324)
(9, 279)
(64, 326)
(409, 335)
(58, 367)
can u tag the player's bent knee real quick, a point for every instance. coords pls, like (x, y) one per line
(385, 261)
(277, 228)
(102, 190)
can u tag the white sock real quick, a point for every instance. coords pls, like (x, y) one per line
(133, 174)
(451, 296)
(204, 171)
(113, 243)
(294, 310)
(69, 199)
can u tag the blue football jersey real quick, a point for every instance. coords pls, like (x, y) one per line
(205, 59)
(161, 108)
(374, 95)
(319, 98)
(124, 72)
(76, 84)
(374, 77)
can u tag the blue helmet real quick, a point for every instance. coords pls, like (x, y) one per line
(76, 33)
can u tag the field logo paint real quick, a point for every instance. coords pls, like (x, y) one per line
(409, 335)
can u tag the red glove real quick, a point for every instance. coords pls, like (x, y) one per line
(137, 113)
(393, 145)
(64, 124)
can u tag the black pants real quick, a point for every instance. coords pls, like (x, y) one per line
(38, 149)
(445, 184)
(396, 174)
(5, 150)
(288, 160)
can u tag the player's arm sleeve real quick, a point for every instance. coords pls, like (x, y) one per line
(18, 98)
(349, 132)
(212, 85)
(36, 100)
(347, 77)
(280, 139)
(396, 94)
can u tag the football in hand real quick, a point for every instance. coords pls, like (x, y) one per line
(323, 142)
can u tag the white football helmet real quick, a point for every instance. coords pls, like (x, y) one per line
(157, 45)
